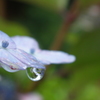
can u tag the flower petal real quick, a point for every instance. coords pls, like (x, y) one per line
(26, 43)
(7, 68)
(55, 57)
(26, 58)
(9, 60)
(5, 37)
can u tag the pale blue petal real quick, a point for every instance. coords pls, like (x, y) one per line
(54, 57)
(26, 58)
(8, 60)
(5, 37)
(26, 43)
(44, 62)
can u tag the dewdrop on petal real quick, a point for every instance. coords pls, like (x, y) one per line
(35, 74)
(13, 59)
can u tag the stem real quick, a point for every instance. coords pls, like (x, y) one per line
(2, 8)
(69, 18)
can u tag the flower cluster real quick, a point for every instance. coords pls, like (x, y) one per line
(22, 52)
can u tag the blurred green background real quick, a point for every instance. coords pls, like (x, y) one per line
(71, 26)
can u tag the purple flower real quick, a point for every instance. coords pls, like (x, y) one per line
(13, 59)
(30, 45)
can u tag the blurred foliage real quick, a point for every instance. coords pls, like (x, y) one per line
(43, 20)
(56, 5)
(12, 28)
(85, 3)
(86, 68)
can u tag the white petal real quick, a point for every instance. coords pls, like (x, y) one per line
(26, 43)
(5, 37)
(54, 57)
(26, 58)
(10, 61)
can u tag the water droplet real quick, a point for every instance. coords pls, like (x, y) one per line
(32, 51)
(35, 74)
(5, 44)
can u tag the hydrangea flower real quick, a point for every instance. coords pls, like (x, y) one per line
(30, 45)
(13, 59)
